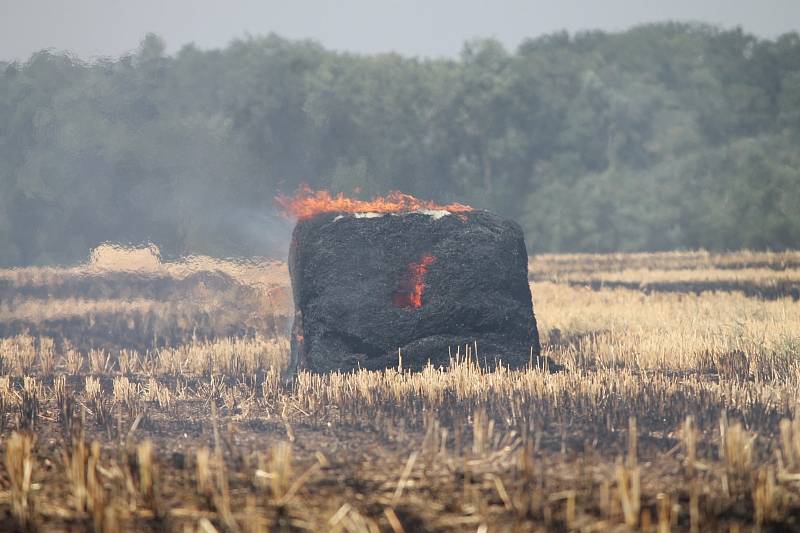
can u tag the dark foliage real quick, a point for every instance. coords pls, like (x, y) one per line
(661, 137)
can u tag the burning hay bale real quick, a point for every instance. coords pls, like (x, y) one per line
(427, 281)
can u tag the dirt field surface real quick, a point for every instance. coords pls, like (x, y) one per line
(142, 395)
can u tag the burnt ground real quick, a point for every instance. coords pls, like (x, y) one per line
(589, 449)
(775, 291)
(346, 467)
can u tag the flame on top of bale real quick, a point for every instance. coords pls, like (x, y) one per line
(307, 203)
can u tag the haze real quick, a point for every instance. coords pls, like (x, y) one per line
(92, 28)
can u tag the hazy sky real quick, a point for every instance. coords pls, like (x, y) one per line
(92, 28)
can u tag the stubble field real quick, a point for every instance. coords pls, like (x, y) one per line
(136, 394)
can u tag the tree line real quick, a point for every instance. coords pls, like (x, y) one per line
(664, 136)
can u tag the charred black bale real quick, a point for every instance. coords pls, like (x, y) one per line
(426, 283)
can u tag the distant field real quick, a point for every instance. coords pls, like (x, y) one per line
(141, 394)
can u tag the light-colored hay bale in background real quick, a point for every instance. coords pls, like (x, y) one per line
(118, 257)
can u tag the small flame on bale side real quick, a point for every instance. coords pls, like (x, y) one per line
(410, 294)
(307, 203)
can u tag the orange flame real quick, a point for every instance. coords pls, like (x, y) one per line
(410, 294)
(307, 203)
